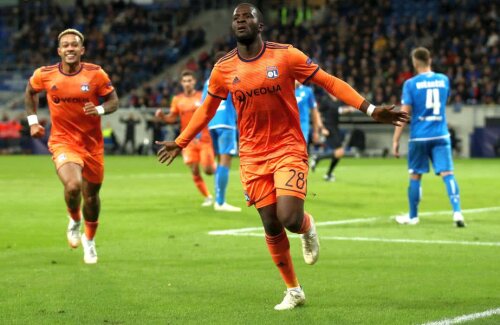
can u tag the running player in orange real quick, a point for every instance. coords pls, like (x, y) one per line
(273, 158)
(200, 151)
(74, 91)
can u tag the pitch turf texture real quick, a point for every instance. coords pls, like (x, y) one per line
(159, 265)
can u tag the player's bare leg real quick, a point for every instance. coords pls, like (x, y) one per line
(91, 209)
(200, 184)
(279, 247)
(290, 212)
(70, 175)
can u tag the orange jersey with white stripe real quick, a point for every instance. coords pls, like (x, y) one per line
(66, 96)
(263, 92)
(185, 106)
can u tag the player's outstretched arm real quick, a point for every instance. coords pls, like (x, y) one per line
(344, 92)
(31, 104)
(398, 131)
(200, 119)
(169, 118)
(109, 106)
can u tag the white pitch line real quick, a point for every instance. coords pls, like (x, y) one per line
(381, 240)
(469, 211)
(466, 318)
(325, 223)
(412, 241)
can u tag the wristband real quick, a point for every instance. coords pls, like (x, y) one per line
(32, 120)
(370, 109)
(100, 110)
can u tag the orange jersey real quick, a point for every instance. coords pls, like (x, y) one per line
(66, 96)
(263, 93)
(185, 106)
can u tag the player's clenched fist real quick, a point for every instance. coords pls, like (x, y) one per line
(37, 131)
(90, 109)
(159, 114)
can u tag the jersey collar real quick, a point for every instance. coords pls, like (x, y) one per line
(70, 74)
(254, 58)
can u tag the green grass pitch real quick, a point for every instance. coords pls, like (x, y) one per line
(159, 265)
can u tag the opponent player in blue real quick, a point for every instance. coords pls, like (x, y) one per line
(223, 131)
(424, 97)
(307, 108)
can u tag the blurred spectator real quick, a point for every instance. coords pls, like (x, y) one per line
(110, 142)
(130, 123)
(10, 135)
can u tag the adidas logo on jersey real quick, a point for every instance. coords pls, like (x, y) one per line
(85, 87)
(53, 88)
(236, 80)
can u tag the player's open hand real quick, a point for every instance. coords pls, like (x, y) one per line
(168, 151)
(37, 131)
(89, 109)
(395, 149)
(387, 114)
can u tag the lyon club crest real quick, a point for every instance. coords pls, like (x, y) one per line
(272, 72)
(85, 87)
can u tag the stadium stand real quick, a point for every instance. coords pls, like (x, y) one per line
(372, 54)
(124, 38)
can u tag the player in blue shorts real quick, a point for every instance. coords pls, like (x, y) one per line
(223, 131)
(424, 97)
(308, 108)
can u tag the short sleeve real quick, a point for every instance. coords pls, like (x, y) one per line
(406, 96)
(36, 81)
(303, 67)
(173, 106)
(216, 87)
(104, 85)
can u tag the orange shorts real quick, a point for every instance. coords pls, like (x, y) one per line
(199, 152)
(92, 164)
(263, 182)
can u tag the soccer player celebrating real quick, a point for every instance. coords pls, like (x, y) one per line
(425, 96)
(74, 90)
(223, 131)
(273, 157)
(199, 151)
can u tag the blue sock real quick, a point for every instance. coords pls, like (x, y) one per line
(453, 191)
(221, 179)
(414, 197)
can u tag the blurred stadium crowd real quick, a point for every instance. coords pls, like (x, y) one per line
(366, 43)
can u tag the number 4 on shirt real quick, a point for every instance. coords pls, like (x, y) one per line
(432, 100)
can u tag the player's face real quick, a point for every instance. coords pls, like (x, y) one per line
(70, 48)
(187, 83)
(246, 25)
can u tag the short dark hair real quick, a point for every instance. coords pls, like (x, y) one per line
(186, 73)
(260, 16)
(421, 54)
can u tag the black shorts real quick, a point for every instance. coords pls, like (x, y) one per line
(334, 139)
